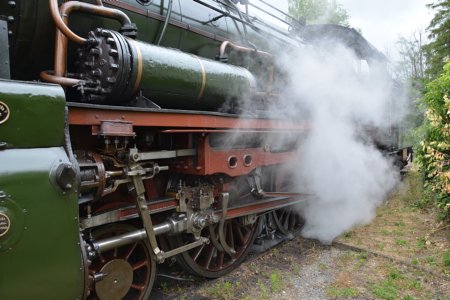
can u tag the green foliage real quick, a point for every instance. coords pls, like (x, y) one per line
(421, 243)
(276, 281)
(447, 259)
(222, 290)
(264, 290)
(385, 290)
(395, 274)
(433, 154)
(438, 50)
(342, 292)
(319, 11)
(401, 242)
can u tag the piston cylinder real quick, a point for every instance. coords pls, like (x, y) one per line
(115, 69)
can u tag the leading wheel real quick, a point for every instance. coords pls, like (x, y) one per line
(210, 262)
(128, 272)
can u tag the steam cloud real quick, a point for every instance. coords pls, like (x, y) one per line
(338, 163)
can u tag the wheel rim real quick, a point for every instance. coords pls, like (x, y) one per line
(208, 261)
(130, 269)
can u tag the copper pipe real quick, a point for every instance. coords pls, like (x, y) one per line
(225, 44)
(64, 81)
(61, 25)
(98, 10)
(63, 32)
(60, 53)
(68, 7)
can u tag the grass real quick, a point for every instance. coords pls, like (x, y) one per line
(347, 234)
(405, 231)
(431, 260)
(446, 259)
(263, 289)
(275, 251)
(421, 243)
(401, 242)
(385, 290)
(345, 292)
(223, 290)
(296, 269)
(276, 281)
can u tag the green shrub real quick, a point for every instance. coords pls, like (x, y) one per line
(433, 155)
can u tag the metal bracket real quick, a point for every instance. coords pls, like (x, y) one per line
(144, 213)
(136, 156)
(254, 181)
(199, 242)
(223, 241)
(4, 50)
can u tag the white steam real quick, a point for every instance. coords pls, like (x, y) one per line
(337, 162)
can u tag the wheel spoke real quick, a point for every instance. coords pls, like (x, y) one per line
(139, 264)
(136, 255)
(208, 261)
(292, 222)
(240, 236)
(219, 262)
(197, 252)
(286, 220)
(209, 256)
(230, 235)
(139, 287)
(133, 246)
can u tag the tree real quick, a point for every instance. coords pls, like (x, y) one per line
(412, 61)
(319, 11)
(438, 50)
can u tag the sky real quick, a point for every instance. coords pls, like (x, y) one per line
(382, 22)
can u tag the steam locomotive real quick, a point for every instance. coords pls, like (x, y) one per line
(124, 141)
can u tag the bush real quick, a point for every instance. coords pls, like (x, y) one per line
(433, 154)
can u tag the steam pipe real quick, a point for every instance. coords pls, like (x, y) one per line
(66, 9)
(61, 80)
(63, 32)
(228, 44)
(166, 21)
(100, 10)
(61, 22)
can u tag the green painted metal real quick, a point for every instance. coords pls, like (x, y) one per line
(40, 254)
(174, 79)
(36, 114)
(32, 28)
